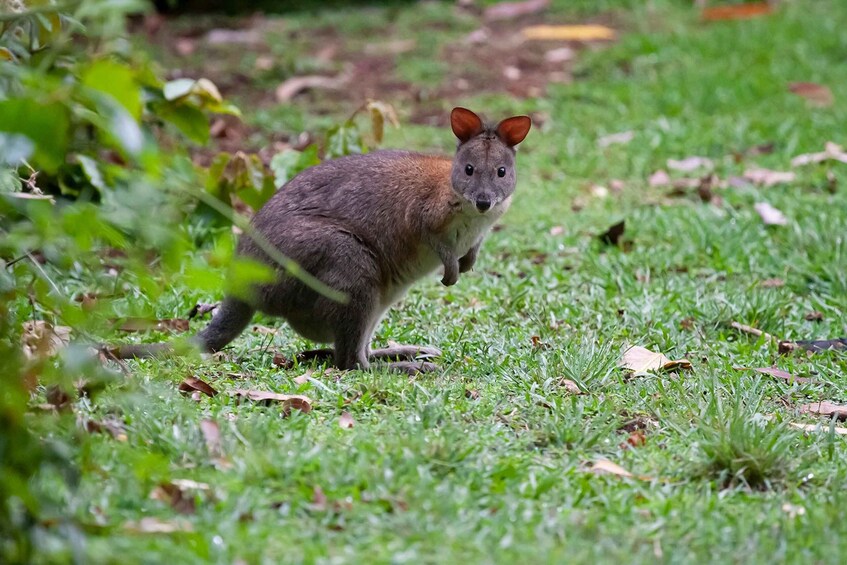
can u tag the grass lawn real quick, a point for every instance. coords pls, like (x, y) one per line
(489, 460)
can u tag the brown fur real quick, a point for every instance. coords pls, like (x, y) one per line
(370, 226)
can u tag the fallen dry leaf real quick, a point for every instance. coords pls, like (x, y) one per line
(774, 372)
(772, 283)
(570, 386)
(193, 384)
(304, 378)
(770, 215)
(177, 498)
(41, 339)
(606, 467)
(346, 420)
(152, 525)
(640, 360)
(616, 138)
(143, 325)
(211, 435)
(264, 330)
(659, 178)
(113, 427)
(690, 164)
(509, 10)
(288, 401)
(826, 408)
(557, 230)
(832, 152)
(736, 11)
(636, 439)
(814, 316)
(815, 93)
(295, 85)
(818, 428)
(569, 32)
(471, 393)
(766, 177)
(612, 236)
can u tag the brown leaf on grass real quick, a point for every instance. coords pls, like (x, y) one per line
(282, 361)
(152, 525)
(612, 236)
(770, 215)
(640, 360)
(263, 330)
(557, 230)
(178, 499)
(58, 397)
(815, 93)
(778, 373)
(616, 138)
(41, 339)
(113, 427)
(772, 283)
(143, 325)
(346, 420)
(659, 178)
(826, 408)
(509, 10)
(832, 152)
(193, 384)
(814, 316)
(569, 33)
(471, 394)
(211, 435)
(766, 177)
(295, 85)
(690, 164)
(570, 386)
(288, 401)
(319, 499)
(606, 467)
(818, 428)
(636, 439)
(304, 378)
(201, 309)
(736, 11)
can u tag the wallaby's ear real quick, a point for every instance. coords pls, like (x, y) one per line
(513, 130)
(465, 123)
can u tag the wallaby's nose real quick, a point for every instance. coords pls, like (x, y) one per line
(483, 204)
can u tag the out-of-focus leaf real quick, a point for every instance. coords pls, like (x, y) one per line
(46, 125)
(16, 148)
(189, 120)
(381, 112)
(569, 32)
(9, 181)
(92, 171)
(816, 94)
(116, 80)
(288, 164)
(736, 11)
(288, 401)
(178, 88)
(770, 215)
(342, 140)
(42, 339)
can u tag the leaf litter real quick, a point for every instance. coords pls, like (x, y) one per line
(642, 360)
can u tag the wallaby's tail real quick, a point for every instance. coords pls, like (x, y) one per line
(226, 325)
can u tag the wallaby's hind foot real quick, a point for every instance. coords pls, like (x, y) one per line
(413, 368)
(399, 352)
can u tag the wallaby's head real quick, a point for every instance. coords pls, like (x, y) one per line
(484, 167)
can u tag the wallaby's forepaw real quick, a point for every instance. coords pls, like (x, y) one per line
(413, 368)
(451, 274)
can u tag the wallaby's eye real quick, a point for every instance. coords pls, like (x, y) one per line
(469, 170)
(501, 172)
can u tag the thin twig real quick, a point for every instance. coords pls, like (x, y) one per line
(754, 331)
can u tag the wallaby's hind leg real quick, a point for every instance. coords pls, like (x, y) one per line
(229, 321)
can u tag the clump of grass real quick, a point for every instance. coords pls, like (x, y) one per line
(739, 446)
